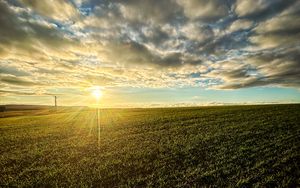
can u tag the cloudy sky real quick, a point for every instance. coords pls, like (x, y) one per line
(150, 53)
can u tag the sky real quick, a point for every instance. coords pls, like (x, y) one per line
(149, 53)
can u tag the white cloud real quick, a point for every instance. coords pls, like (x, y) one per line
(240, 24)
(205, 10)
(61, 10)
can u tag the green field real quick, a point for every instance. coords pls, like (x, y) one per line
(239, 146)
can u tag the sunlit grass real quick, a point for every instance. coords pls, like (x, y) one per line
(220, 146)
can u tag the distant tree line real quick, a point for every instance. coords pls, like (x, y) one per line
(2, 108)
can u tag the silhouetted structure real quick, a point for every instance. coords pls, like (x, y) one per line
(55, 101)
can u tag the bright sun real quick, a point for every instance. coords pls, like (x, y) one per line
(97, 93)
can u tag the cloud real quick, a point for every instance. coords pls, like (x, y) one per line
(276, 32)
(240, 24)
(133, 53)
(280, 68)
(25, 93)
(197, 31)
(7, 69)
(61, 10)
(155, 36)
(150, 11)
(205, 10)
(261, 9)
(169, 43)
(10, 79)
(10, 24)
(18, 32)
(102, 80)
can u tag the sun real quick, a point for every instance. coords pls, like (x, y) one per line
(97, 93)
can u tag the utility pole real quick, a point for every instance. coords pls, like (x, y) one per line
(55, 101)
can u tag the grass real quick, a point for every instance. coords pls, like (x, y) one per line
(236, 146)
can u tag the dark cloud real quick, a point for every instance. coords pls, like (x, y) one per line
(13, 92)
(149, 11)
(280, 68)
(10, 79)
(48, 71)
(10, 25)
(135, 53)
(19, 30)
(260, 10)
(281, 31)
(155, 36)
(12, 70)
(208, 11)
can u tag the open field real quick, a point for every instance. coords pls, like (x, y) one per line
(218, 146)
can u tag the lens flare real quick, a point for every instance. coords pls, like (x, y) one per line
(97, 93)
